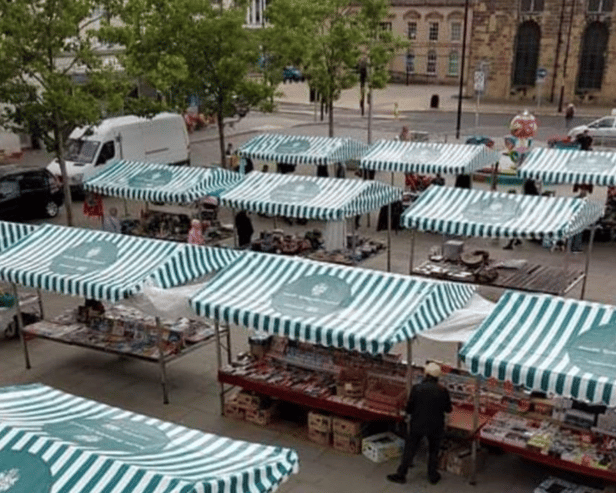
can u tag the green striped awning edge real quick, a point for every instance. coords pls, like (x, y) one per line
(75, 445)
(546, 343)
(11, 233)
(462, 212)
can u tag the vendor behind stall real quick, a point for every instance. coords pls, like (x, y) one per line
(244, 228)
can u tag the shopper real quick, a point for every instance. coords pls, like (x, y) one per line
(195, 233)
(243, 226)
(427, 406)
(569, 114)
(111, 223)
(585, 141)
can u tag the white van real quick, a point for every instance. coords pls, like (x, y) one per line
(162, 139)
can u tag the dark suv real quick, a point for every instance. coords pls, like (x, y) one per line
(29, 192)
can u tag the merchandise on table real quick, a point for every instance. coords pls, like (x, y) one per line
(557, 485)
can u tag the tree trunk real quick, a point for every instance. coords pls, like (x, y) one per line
(369, 115)
(66, 187)
(221, 139)
(331, 116)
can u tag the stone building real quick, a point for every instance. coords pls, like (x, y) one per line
(556, 50)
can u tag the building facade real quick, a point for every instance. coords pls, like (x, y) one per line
(434, 30)
(556, 51)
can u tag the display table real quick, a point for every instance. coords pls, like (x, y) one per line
(127, 332)
(527, 277)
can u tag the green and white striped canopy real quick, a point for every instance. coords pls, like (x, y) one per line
(462, 212)
(556, 345)
(327, 304)
(160, 182)
(300, 149)
(308, 197)
(100, 265)
(427, 157)
(11, 233)
(570, 166)
(51, 441)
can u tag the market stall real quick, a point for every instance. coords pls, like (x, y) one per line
(112, 268)
(11, 233)
(54, 441)
(330, 322)
(563, 348)
(292, 150)
(333, 200)
(425, 158)
(478, 213)
(173, 195)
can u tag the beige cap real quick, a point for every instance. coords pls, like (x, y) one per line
(433, 370)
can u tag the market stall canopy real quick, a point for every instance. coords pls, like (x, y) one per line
(331, 305)
(160, 182)
(308, 197)
(54, 441)
(463, 212)
(428, 158)
(570, 166)
(103, 266)
(300, 149)
(11, 233)
(550, 344)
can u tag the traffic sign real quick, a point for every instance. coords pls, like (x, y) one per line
(480, 80)
(541, 74)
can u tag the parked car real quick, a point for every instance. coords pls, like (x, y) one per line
(292, 73)
(602, 131)
(29, 192)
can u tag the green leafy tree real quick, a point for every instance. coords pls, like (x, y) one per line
(379, 47)
(324, 38)
(190, 48)
(42, 44)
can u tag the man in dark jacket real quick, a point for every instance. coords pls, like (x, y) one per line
(427, 406)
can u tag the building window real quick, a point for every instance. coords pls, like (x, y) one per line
(431, 65)
(411, 30)
(433, 31)
(410, 63)
(456, 31)
(527, 6)
(454, 59)
(600, 6)
(386, 26)
(592, 57)
(526, 54)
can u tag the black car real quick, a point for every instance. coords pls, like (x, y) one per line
(29, 192)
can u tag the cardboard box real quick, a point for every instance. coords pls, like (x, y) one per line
(321, 437)
(460, 461)
(232, 410)
(261, 417)
(319, 422)
(344, 443)
(382, 447)
(347, 427)
(249, 401)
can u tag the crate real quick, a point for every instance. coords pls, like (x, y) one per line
(249, 401)
(261, 417)
(382, 447)
(346, 427)
(385, 396)
(319, 422)
(321, 437)
(232, 410)
(348, 444)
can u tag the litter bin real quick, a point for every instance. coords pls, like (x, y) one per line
(434, 101)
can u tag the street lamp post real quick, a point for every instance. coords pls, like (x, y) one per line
(461, 88)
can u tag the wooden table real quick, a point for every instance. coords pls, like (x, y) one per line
(529, 277)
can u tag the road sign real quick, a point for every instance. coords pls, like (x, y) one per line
(541, 74)
(480, 81)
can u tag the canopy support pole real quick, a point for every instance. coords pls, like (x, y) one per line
(412, 252)
(473, 478)
(218, 366)
(353, 242)
(389, 219)
(409, 368)
(587, 263)
(228, 337)
(40, 303)
(161, 360)
(20, 327)
(567, 254)
(235, 239)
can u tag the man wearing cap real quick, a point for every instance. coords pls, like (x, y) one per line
(427, 406)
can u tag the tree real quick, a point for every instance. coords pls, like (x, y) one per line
(323, 37)
(43, 43)
(379, 46)
(187, 48)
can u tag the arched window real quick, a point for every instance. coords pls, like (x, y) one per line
(526, 54)
(592, 56)
(454, 58)
(431, 65)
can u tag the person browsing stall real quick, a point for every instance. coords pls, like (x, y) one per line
(427, 405)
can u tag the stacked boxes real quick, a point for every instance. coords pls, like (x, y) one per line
(459, 460)
(382, 447)
(251, 407)
(347, 435)
(319, 428)
(232, 409)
